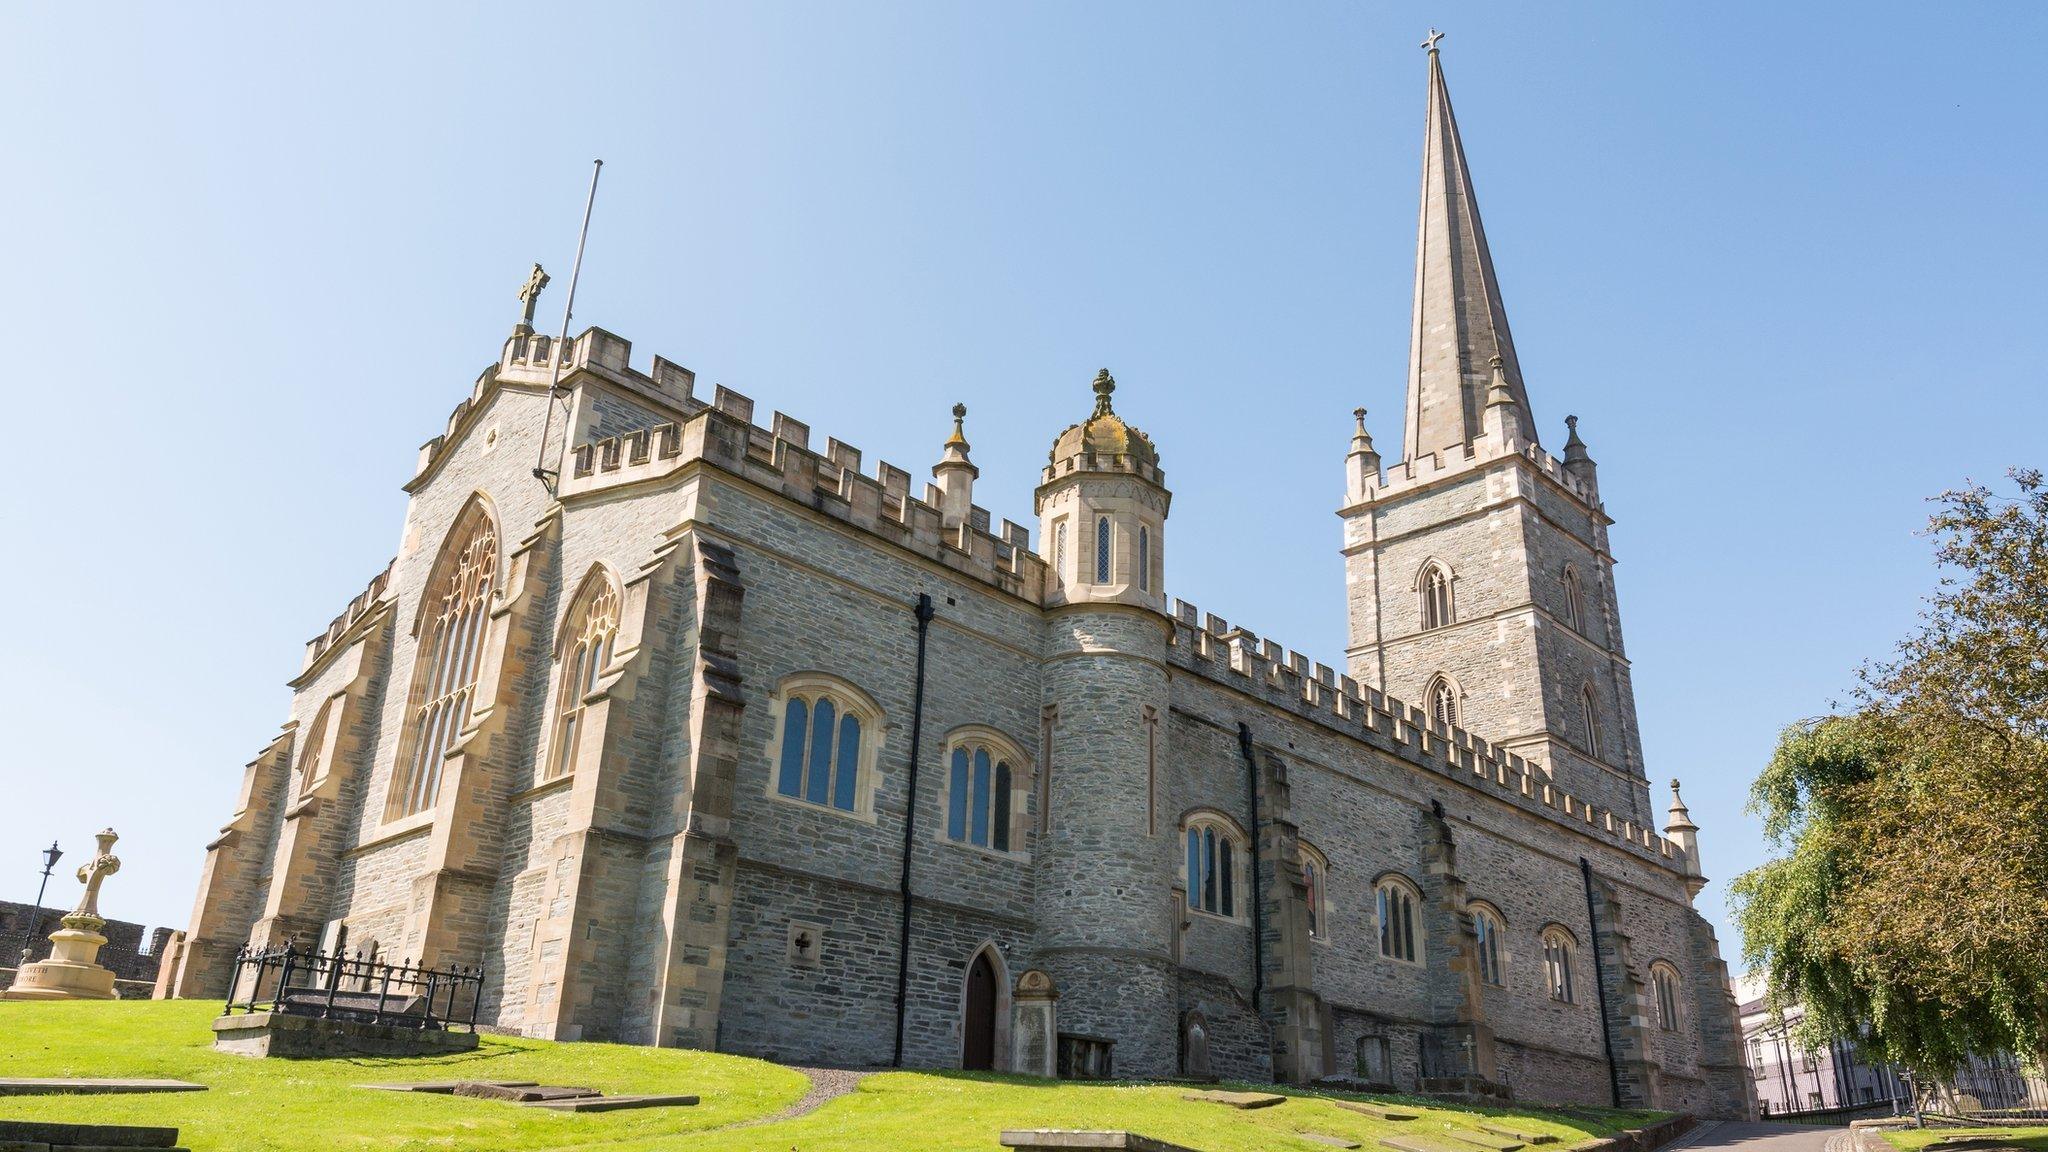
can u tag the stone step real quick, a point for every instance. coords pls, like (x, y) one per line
(612, 1103)
(1237, 1099)
(1486, 1140)
(1377, 1111)
(1524, 1137)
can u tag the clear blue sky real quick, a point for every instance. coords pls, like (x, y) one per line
(1784, 260)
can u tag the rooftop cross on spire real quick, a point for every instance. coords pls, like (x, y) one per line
(1430, 40)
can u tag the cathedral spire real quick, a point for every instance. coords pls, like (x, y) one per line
(1460, 324)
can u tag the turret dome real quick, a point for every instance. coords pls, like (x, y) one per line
(1104, 434)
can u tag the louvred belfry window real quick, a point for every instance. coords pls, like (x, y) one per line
(451, 644)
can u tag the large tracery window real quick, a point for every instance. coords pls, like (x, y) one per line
(1399, 936)
(981, 794)
(593, 624)
(1212, 861)
(1435, 586)
(456, 609)
(824, 756)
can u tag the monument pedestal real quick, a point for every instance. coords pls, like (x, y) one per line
(72, 972)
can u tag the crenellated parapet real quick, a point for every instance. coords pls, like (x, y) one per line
(1409, 475)
(1209, 646)
(340, 627)
(780, 459)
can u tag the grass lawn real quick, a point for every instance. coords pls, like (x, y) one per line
(2035, 1138)
(312, 1104)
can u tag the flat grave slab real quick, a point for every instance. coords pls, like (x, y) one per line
(1491, 1140)
(520, 1093)
(89, 1085)
(1237, 1099)
(1332, 1141)
(613, 1103)
(445, 1087)
(39, 1134)
(1406, 1143)
(1059, 1139)
(1518, 1134)
(1377, 1111)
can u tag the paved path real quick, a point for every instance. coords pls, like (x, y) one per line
(1744, 1137)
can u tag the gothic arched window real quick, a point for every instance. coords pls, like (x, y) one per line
(592, 625)
(1441, 698)
(1397, 904)
(1144, 559)
(1102, 550)
(454, 617)
(1315, 872)
(1557, 963)
(825, 755)
(981, 793)
(1214, 850)
(1574, 610)
(1589, 715)
(1434, 584)
(1664, 978)
(313, 759)
(1486, 930)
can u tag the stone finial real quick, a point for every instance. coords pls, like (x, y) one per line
(529, 295)
(1503, 416)
(1574, 448)
(1680, 819)
(1104, 385)
(1363, 461)
(956, 475)
(959, 436)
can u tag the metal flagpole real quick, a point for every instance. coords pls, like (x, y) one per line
(540, 469)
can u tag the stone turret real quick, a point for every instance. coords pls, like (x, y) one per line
(1684, 833)
(1578, 463)
(956, 475)
(1102, 504)
(1104, 865)
(1362, 465)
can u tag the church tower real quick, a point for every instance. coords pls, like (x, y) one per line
(1479, 580)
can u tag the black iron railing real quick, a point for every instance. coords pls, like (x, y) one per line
(355, 987)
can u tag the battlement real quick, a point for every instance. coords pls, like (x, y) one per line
(780, 458)
(1207, 645)
(319, 645)
(1088, 461)
(1431, 467)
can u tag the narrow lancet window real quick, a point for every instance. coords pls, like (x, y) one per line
(1102, 550)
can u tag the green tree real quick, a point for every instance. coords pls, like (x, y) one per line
(1910, 895)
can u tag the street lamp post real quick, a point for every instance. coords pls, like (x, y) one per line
(51, 855)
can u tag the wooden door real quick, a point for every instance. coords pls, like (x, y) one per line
(978, 1031)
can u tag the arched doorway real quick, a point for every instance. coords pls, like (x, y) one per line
(978, 1023)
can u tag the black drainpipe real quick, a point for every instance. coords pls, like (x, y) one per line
(924, 623)
(1600, 984)
(1251, 793)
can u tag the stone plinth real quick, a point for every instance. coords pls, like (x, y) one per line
(282, 1034)
(72, 971)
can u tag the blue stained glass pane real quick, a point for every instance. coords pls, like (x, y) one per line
(1002, 806)
(1208, 869)
(956, 794)
(790, 780)
(847, 768)
(1194, 868)
(981, 782)
(818, 780)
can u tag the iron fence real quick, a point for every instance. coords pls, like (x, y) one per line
(355, 987)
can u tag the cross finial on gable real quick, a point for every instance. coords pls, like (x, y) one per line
(529, 295)
(1430, 40)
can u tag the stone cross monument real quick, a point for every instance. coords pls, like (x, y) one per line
(73, 972)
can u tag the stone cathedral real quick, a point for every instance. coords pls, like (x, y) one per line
(710, 736)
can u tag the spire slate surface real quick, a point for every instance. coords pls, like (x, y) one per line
(1460, 324)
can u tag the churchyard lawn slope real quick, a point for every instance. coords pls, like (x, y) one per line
(315, 1104)
(2032, 1139)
